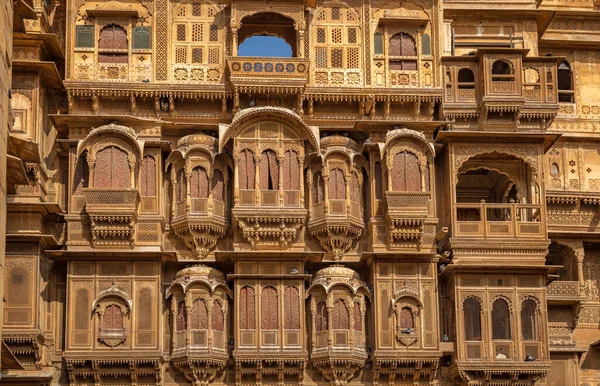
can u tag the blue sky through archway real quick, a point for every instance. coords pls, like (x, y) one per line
(265, 46)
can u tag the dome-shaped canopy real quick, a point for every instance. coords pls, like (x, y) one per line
(338, 274)
(198, 274)
(333, 141)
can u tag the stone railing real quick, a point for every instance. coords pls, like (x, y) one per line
(563, 290)
(499, 220)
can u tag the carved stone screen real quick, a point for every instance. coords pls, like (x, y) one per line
(318, 188)
(406, 175)
(112, 319)
(218, 186)
(269, 171)
(321, 318)
(291, 310)
(247, 316)
(112, 169)
(340, 318)
(337, 185)
(218, 320)
(406, 318)
(199, 317)
(246, 169)
(199, 183)
(269, 314)
(148, 176)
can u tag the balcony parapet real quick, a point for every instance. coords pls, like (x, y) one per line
(112, 213)
(564, 292)
(407, 215)
(252, 74)
(485, 221)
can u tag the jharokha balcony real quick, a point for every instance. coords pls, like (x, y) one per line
(250, 74)
(199, 180)
(112, 214)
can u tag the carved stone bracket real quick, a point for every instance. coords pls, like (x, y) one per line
(274, 230)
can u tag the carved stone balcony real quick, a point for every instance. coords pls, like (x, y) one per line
(407, 216)
(112, 213)
(199, 343)
(564, 292)
(337, 224)
(270, 218)
(249, 74)
(200, 223)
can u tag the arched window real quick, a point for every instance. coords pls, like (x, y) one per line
(354, 189)
(181, 322)
(406, 174)
(246, 170)
(406, 318)
(340, 317)
(268, 309)
(554, 169)
(528, 320)
(291, 304)
(565, 83)
(218, 186)
(148, 176)
(502, 70)
(466, 79)
(336, 39)
(218, 319)
(199, 317)
(321, 321)
(111, 170)
(246, 304)
(402, 53)
(378, 181)
(472, 319)
(318, 188)
(269, 171)
(199, 183)
(336, 185)
(195, 34)
(113, 45)
(358, 325)
(291, 171)
(500, 320)
(112, 319)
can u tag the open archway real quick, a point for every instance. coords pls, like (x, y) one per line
(267, 34)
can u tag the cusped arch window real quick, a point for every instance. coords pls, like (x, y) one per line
(340, 317)
(181, 321)
(111, 169)
(466, 79)
(218, 317)
(246, 170)
(501, 320)
(321, 317)
(407, 320)
(199, 183)
(291, 309)
(199, 315)
(402, 52)
(113, 44)
(406, 173)
(269, 309)
(529, 320)
(502, 70)
(269, 171)
(148, 176)
(336, 185)
(247, 308)
(472, 319)
(218, 186)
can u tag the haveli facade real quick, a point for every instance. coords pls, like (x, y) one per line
(410, 199)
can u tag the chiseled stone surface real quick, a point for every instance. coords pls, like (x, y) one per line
(411, 198)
